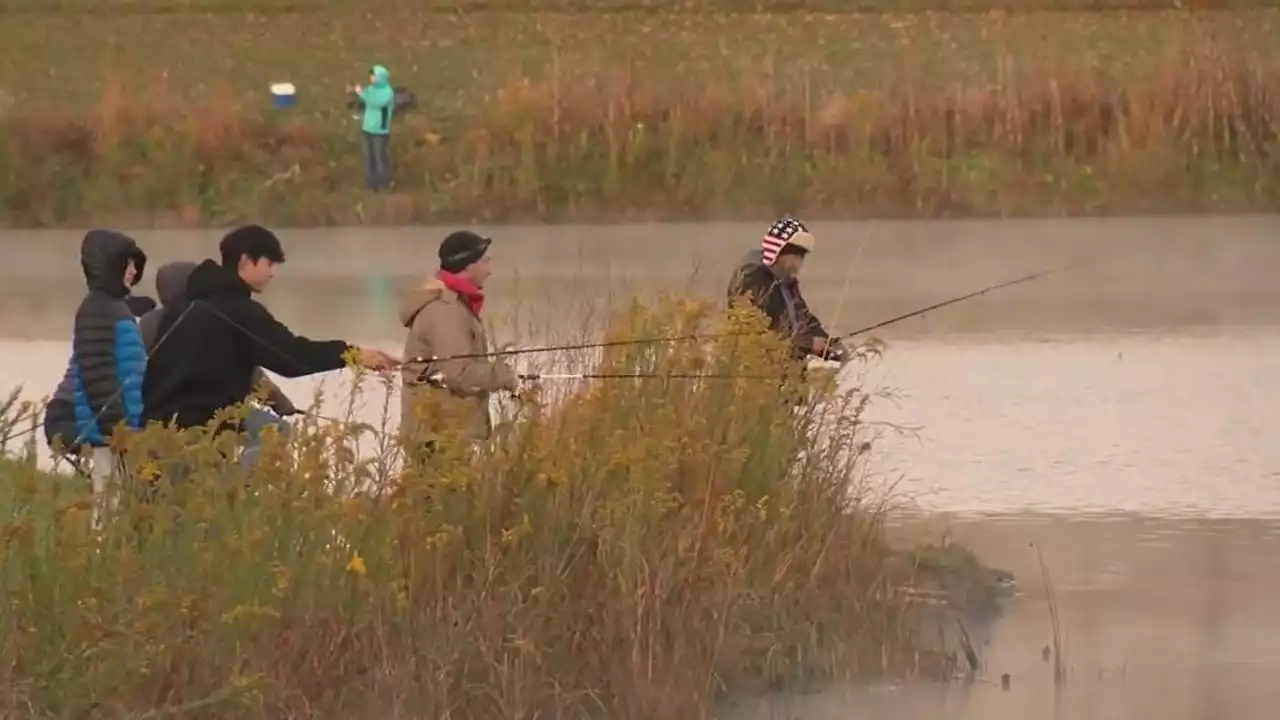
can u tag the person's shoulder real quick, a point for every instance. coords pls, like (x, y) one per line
(757, 276)
(102, 306)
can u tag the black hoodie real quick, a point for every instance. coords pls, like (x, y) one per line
(779, 298)
(215, 339)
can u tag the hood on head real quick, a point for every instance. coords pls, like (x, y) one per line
(414, 299)
(171, 282)
(209, 278)
(104, 254)
(380, 76)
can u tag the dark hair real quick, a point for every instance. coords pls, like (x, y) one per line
(252, 241)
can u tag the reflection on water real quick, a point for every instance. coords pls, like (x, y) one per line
(1160, 619)
(1142, 382)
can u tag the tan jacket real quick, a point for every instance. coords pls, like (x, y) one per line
(441, 325)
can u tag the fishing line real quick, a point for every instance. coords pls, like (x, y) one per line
(421, 360)
(437, 377)
(640, 376)
(110, 400)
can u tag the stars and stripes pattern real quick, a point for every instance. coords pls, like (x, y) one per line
(779, 234)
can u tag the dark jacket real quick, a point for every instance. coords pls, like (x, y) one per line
(780, 299)
(103, 383)
(171, 287)
(213, 341)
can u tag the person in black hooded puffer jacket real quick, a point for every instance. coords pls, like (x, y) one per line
(102, 388)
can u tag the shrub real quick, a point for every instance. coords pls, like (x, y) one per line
(633, 549)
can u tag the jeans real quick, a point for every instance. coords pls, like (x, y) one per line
(256, 421)
(377, 161)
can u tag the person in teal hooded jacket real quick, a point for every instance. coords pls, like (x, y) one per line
(379, 101)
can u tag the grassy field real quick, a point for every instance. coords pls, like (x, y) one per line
(116, 7)
(166, 118)
(634, 550)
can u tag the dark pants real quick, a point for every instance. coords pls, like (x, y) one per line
(377, 161)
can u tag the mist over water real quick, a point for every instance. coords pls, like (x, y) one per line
(1120, 414)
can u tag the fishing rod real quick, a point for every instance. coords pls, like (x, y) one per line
(420, 360)
(952, 301)
(437, 378)
(534, 377)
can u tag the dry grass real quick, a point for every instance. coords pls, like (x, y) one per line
(635, 550)
(117, 7)
(534, 116)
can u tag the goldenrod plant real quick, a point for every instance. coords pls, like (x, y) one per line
(626, 548)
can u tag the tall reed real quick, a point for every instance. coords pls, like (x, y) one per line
(1199, 133)
(633, 549)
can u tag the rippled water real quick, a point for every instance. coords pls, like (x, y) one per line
(1121, 415)
(1176, 425)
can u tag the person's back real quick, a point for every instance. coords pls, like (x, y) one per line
(171, 285)
(216, 339)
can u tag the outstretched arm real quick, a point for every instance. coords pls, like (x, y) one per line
(278, 349)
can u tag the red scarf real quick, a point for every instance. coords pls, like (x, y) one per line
(466, 289)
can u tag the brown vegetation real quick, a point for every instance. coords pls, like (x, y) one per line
(634, 549)
(535, 117)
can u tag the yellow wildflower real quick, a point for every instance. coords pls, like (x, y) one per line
(357, 565)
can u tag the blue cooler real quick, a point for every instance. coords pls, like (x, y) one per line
(284, 95)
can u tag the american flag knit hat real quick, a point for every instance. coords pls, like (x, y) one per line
(784, 232)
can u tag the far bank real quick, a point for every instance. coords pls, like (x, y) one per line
(533, 117)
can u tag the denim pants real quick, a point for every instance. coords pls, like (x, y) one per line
(377, 161)
(254, 423)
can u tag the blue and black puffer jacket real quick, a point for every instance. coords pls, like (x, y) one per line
(103, 384)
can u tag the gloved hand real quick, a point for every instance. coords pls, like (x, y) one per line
(522, 385)
(835, 352)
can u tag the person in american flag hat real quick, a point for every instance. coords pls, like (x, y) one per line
(769, 278)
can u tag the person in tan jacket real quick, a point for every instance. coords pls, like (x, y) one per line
(442, 317)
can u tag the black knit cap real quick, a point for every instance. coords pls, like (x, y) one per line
(462, 249)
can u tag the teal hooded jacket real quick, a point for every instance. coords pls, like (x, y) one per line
(379, 103)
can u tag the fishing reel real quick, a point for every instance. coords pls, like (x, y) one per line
(435, 378)
(430, 376)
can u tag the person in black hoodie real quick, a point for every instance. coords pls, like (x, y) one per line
(171, 287)
(216, 337)
(768, 278)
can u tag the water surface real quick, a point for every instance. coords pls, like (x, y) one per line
(1120, 415)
